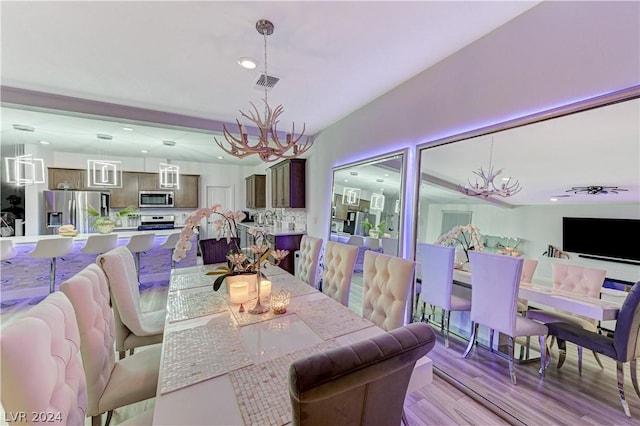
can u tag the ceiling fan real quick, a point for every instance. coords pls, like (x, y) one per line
(595, 190)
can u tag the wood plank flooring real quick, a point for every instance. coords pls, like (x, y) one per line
(476, 391)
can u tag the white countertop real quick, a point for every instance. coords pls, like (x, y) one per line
(273, 230)
(30, 239)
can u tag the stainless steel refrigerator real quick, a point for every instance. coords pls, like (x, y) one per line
(354, 223)
(70, 207)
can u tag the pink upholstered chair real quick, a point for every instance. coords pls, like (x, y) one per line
(338, 270)
(528, 269)
(134, 328)
(41, 369)
(437, 283)
(387, 289)
(494, 295)
(582, 281)
(110, 384)
(307, 269)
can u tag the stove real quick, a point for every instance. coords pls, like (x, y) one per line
(149, 223)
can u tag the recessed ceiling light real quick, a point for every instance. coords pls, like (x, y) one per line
(553, 199)
(169, 143)
(386, 175)
(506, 178)
(346, 180)
(247, 63)
(44, 142)
(144, 151)
(23, 127)
(128, 129)
(220, 157)
(353, 173)
(379, 180)
(104, 136)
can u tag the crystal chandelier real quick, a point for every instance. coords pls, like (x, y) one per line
(268, 146)
(486, 187)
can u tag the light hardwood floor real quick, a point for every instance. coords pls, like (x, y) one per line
(476, 391)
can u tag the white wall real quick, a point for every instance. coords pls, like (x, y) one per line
(554, 54)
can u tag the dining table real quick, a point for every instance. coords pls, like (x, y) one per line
(221, 366)
(590, 307)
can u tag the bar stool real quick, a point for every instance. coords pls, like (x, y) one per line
(137, 244)
(7, 251)
(170, 244)
(51, 248)
(101, 243)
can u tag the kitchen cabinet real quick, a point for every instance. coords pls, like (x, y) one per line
(286, 242)
(74, 177)
(187, 195)
(288, 184)
(256, 187)
(340, 209)
(128, 194)
(149, 182)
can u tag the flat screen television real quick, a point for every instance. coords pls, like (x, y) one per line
(614, 238)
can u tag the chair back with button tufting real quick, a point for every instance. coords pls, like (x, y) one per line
(338, 270)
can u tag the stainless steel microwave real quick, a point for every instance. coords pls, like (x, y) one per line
(155, 199)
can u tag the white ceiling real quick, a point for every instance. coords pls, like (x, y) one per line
(180, 57)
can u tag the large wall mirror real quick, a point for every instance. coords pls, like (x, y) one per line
(366, 202)
(578, 161)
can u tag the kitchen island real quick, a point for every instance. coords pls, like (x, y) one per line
(280, 239)
(24, 276)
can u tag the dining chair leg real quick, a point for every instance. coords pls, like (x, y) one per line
(472, 339)
(620, 375)
(634, 375)
(109, 415)
(491, 340)
(542, 339)
(562, 352)
(548, 351)
(597, 357)
(122, 354)
(580, 360)
(96, 420)
(446, 316)
(512, 371)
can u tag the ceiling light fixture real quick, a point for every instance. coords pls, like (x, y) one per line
(24, 170)
(268, 146)
(169, 176)
(44, 142)
(247, 63)
(487, 188)
(104, 174)
(595, 190)
(24, 128)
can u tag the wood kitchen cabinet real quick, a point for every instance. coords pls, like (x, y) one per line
(256, 186)
(286, 242)
(149, 182)
(75, 177)
(340, 209)
(288, 184)
(187, 195)
(128, 194)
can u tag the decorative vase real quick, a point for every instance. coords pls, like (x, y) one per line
(104, 226)
(259, 308)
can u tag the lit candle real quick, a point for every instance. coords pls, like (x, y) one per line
(239, 292)
(265, 289)
(280, 301)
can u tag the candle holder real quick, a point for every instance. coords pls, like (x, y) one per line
(259, 308)
(280, 301)
(238, 292)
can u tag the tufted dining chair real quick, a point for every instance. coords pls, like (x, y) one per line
(389, 245)
(361, 384)
(338, 269)
(41, 369)
(387, 289)
(495, 280)
(437, 282)
(623, 347)
(110, 384)
(307, 269)
(134, 328)
(581, 281)
(528, 269)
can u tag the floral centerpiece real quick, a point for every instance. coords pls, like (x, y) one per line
(226, 226)
(467, 237)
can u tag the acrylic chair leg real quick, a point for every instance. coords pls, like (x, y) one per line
(446, 315)
(634, 375)
(562, 352)
(491, 340)
(472, 339)
(620, 375)
(580, 360)
(512, 371)
(595, 355)
(543, 353)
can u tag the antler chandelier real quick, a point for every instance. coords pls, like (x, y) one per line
(486, 187)
(268, 146)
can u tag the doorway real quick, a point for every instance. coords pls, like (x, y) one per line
(223, 195)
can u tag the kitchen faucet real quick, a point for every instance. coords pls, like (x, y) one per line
(268, 217)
